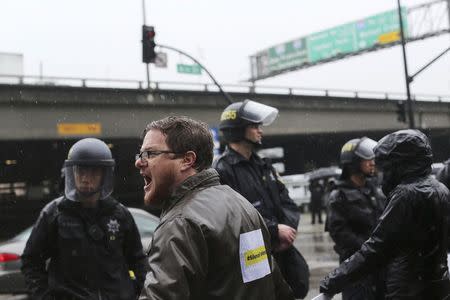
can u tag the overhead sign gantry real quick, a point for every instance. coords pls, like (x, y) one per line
(369, 34)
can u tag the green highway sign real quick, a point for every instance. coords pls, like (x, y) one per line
(375, 30)
(189, 69)
(379, 29)
(363, 34)
(287, 55)
(329, 43)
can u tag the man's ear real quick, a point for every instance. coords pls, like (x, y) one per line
(188, 161)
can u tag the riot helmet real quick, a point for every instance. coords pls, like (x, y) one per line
(89, 157)
(353, 152)
(237, 116)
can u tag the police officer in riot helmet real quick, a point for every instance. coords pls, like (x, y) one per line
(353, 210)
(90, 240)
(89, 170)
(357, 158)
(240, 120)
(241, 168)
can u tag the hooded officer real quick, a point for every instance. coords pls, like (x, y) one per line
(241, 168)
(410, 239)
(90, 240)
(353, 209)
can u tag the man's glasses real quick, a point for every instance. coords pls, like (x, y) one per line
(147, 154)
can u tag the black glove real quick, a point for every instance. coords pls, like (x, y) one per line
(324, 287)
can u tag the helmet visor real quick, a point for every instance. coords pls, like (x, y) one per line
(84, 181)
(365, 149)
(255, 112)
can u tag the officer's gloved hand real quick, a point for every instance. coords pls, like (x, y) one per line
(325, 289)
(322, 297)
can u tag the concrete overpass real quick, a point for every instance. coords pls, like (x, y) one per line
(47, 112)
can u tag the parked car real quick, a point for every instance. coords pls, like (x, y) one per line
(298, 184)
(12, 280)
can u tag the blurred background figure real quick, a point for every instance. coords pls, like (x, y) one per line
(317, 189)
(353, 210)
(329, 187)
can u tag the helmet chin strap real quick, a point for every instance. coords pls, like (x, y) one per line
(369, 175)
(88, 194)
(256, 145)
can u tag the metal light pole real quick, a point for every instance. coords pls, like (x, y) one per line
(448, 11)
(225, 94)
(405, 64)
(147, 65)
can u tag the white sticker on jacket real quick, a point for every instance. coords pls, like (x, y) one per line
(253, 256)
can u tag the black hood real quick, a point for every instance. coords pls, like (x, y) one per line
(402, 156)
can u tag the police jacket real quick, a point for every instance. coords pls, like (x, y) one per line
(444, 174)
(211, 244)
(257, 181)
(352, 215)
(408, 240)
(90, 253)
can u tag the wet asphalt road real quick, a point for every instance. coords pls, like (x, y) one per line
(316, 247)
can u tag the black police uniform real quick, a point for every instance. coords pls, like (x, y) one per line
(257, 181)
(352, 215)
(90, 252)
(410, 238)
(444, 174)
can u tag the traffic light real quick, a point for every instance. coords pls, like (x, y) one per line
(148, 44)
(401, 111)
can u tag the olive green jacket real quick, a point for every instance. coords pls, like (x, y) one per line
(212, 244)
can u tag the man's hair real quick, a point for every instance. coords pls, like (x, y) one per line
(184, 134)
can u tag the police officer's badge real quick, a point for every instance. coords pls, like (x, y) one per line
(113, 226)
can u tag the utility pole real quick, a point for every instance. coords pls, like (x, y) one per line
(148, 65)
(408, 79)
(448, 11)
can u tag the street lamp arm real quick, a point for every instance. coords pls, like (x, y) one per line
(429, 64)
(225, 94)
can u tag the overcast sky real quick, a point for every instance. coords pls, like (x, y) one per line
(101, 38)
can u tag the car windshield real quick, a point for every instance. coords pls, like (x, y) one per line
(23, 236)
(145, 224)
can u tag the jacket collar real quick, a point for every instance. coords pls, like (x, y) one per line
(205, 178)
(105, 206)
(233, 157)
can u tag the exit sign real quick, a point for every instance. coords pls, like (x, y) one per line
(189, 69)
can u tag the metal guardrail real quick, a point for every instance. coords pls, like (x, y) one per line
(251, 88)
